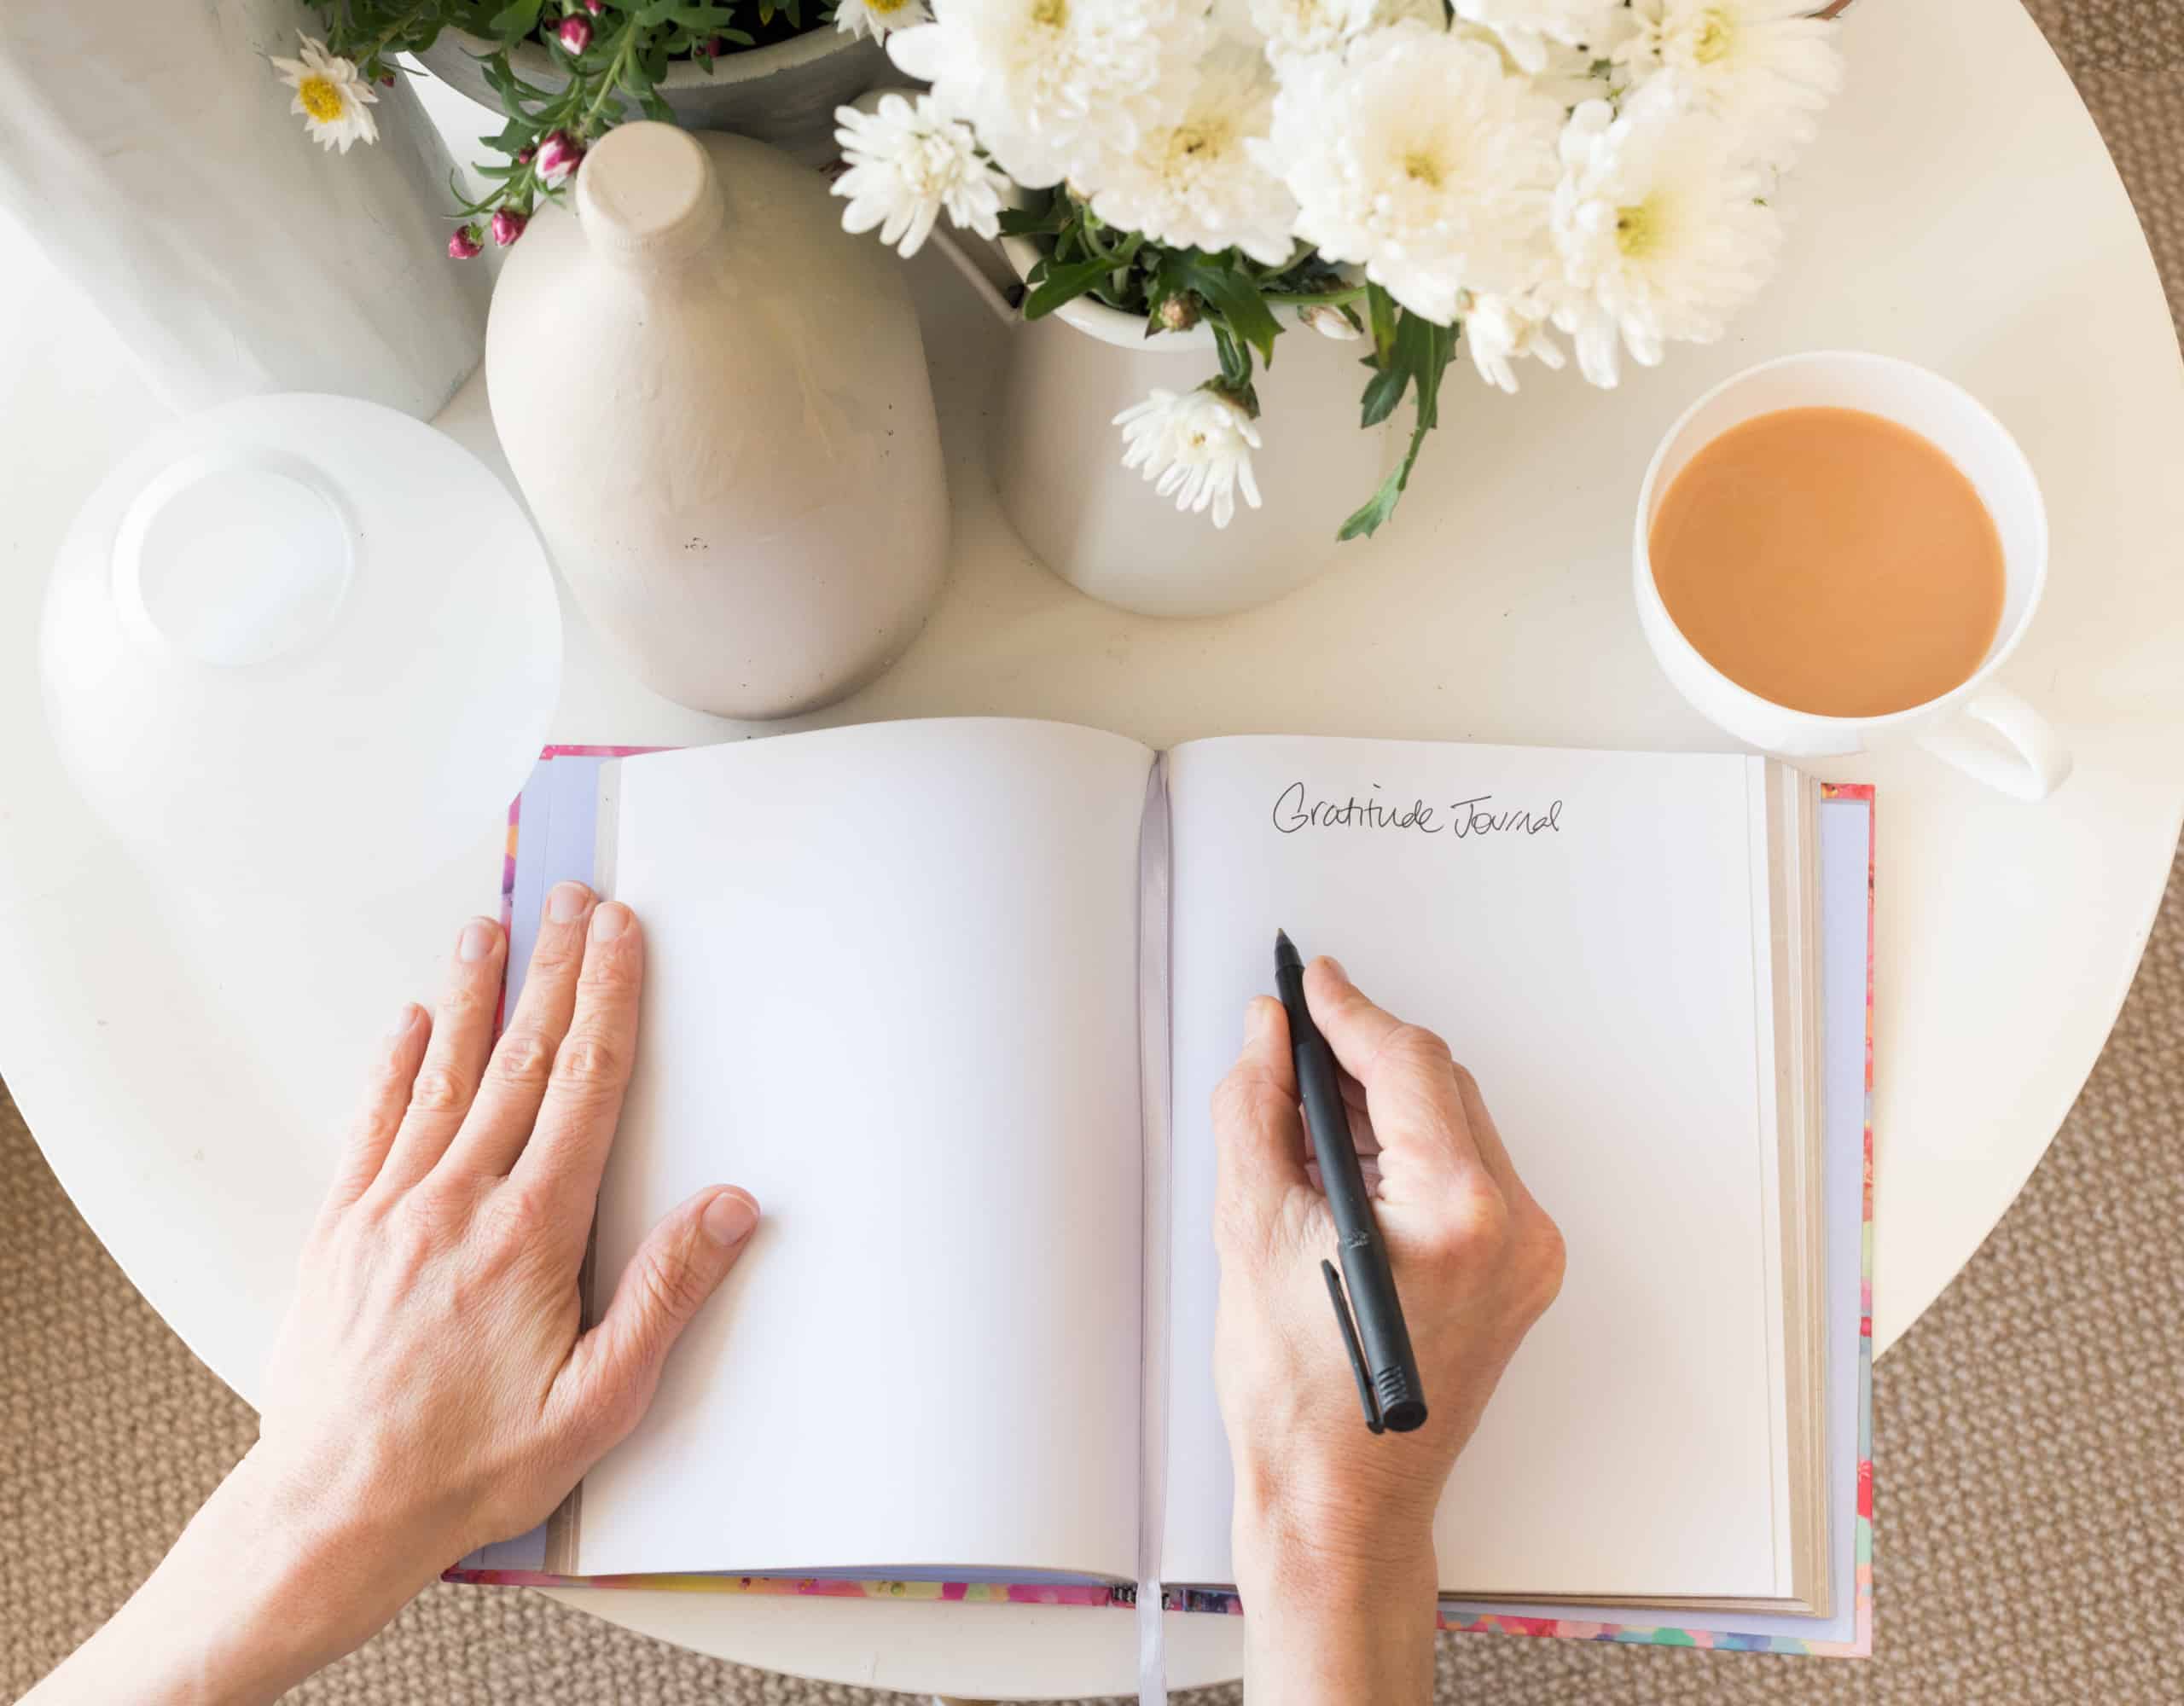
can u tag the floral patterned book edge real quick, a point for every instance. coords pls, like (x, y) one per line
(1860, 1646)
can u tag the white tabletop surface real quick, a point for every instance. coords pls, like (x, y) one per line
(185, 1061)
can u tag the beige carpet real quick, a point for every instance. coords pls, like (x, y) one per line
(2030, 1429)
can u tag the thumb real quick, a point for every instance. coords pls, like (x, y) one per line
(1258, 1133)
(614, 1368)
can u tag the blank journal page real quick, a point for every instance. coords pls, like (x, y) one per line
(891, 989)
(1580, 927)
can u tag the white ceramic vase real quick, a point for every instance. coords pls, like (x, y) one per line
(716, 401)
(1058, 469)
(155, 157)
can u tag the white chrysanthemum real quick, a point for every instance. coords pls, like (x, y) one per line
(1501, 331)
(1761, 66)
(878, 18)
(331, 95)
(1198, 446)
(906, 165)
(1532, 29)
(1660, 236)
(1310, 27)
(1192, 184)
(1416, 154)
(1055, 87)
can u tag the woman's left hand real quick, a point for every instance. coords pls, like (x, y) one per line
(433, 1387)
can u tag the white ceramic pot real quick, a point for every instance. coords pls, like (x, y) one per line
(784, 93)
(1057, 460)
(157, 160)
(716, 401)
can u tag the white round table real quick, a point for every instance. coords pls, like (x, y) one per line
(185, 1061)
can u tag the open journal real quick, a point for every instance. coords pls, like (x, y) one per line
(951, 999)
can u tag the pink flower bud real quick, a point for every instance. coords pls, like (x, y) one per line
(386, 79)
(523, 156)
(715, 48)
(508, 225)
(594, 7)
(575, 34)
(558, 157)
(463, 246)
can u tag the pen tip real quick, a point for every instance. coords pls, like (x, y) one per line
(1285, 950)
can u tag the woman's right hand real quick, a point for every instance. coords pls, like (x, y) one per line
(1333, 1535)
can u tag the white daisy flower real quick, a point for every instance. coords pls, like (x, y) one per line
(1761, 66)
(908, 163)
(1660, 235)
(331, 95)
(1192, 184)
(1055, 87)
(1197, 445)
(1502, 330)
(1417, 155)
(1532, 29)
(878, 18)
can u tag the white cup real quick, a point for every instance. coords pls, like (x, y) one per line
(2037, 762)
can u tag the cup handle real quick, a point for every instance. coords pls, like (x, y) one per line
(2042, 765)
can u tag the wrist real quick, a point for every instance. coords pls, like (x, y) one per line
(1327, 1623)
(1353, 1523)
(236, 1613)
(1298, 1573)
(275, 1583)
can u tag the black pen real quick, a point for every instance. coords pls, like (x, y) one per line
(1379, 1343)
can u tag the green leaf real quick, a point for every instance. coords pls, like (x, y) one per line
(1382, 392)
(1429, 349)
(516, 19)
(1062, 283)
(1228, 292)
(1380, 311)
(1235, 359)
(1367, 521)
(1417, 353)
(1056, 284)
(1032, 222)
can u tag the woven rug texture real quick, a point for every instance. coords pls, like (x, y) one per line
(2030, 1429)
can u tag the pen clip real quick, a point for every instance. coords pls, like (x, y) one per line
(1356, 1351)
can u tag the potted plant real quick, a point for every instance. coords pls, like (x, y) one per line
(564, 72)
(1520, 175)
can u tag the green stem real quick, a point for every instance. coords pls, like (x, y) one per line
(1333, 298)
(399, 26)
(611, 78)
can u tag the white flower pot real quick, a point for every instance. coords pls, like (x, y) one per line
(1058, 462)
(715, 400)
(784, 93)
(158, 162)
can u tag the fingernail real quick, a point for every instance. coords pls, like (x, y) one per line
(609, 921)
(1335, 966)
(566, 904)
(477, 941)
(403, 1026)
(1257, 1016)
(729, 1218)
